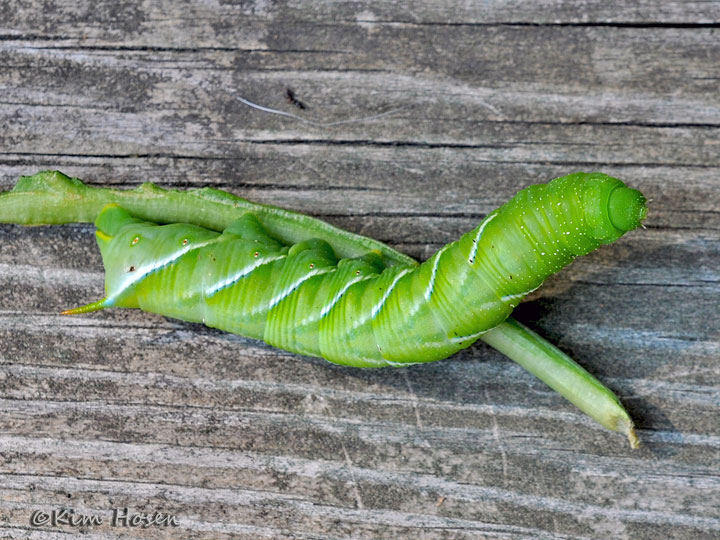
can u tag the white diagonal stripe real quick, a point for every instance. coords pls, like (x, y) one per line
(289, 289)
(245, 271)
(376, 309)
(484, 224)
(337, 297)
(433, 273)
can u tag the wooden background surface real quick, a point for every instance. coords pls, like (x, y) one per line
(239, 440)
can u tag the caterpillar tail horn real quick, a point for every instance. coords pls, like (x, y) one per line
(111, 218)
(87, 308)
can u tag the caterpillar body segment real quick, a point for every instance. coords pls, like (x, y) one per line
(357, 311)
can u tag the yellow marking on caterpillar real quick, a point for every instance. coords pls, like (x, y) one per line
(103, 236)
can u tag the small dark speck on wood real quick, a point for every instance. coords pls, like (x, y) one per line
(290, 97)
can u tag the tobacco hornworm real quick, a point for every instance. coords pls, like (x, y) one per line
(355, 311)
(308, 287)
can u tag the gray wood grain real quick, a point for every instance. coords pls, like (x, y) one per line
(239, 440)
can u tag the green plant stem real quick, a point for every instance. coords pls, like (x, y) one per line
(562, 374)
(50, 197)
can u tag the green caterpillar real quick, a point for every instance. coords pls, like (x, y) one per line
(325, 293)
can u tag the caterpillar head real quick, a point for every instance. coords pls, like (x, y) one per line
(611, 208)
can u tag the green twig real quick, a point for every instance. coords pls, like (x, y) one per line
(562, 374)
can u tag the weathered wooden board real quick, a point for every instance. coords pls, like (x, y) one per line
(238, 440)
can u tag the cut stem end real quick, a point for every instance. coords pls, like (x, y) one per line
(562, 374)
(632, 437)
